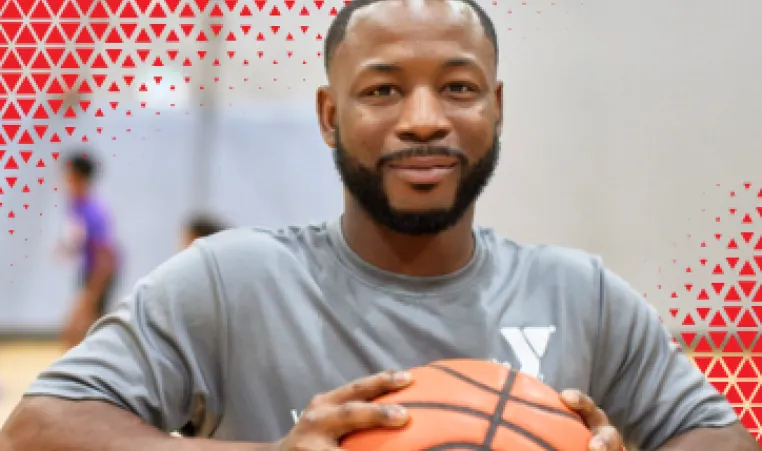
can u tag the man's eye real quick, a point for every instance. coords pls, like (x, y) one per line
(459, 88)
(381, 91)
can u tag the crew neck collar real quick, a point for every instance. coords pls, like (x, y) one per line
(401, 283)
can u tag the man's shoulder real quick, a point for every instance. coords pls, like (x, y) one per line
(546, 260)
(263, 244)
(580, 274)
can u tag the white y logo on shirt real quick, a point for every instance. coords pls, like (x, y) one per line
(529, 345)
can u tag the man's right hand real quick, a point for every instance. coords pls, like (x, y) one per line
(347, 409)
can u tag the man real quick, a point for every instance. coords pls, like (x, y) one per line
(89, 237)
(277, 340)
(200, 226)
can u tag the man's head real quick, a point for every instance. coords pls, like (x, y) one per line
(413, 109)
(80, 171)
(199, 226)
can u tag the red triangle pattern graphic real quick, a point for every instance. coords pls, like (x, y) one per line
(69, 29)
(719, 315)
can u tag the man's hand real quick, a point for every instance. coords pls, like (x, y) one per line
(334, 414)
(605, 436)
(83, 315)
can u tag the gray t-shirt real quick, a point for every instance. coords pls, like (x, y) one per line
(236, 334)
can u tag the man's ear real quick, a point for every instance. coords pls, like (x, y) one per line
(326, 113)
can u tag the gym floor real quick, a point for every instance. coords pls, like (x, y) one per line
(20, 362)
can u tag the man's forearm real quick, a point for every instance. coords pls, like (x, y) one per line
(51, 424)
(730, 438)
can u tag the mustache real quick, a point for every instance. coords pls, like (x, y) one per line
(422, 151)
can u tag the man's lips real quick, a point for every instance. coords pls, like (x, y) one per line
(423, 170)
(424, 163)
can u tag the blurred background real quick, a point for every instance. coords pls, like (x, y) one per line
(631, 131)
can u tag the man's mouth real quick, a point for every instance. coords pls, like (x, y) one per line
(425, 163)
(429, 170)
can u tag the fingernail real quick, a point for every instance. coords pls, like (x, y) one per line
(596, 444)
(397, 413)
(571, 396)
(402, 377)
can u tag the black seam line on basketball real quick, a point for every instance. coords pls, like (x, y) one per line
(479, 414)
(497, 415)
(476, 383)
(571, 416)
(465, 378)
(540, 442)
(457, 446)
(452, 408)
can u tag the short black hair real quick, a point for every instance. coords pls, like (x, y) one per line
(201, 225)
(82, 164)
(338, 29)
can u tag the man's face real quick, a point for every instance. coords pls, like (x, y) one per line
(413, 112)
(76, 185)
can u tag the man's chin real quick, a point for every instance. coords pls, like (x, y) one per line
(418, 222)
(421, 212)
(409, 205)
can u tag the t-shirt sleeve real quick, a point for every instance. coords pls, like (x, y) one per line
(97, 227)
(158, 355)
(648, 387)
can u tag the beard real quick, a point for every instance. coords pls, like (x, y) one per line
(366, 185)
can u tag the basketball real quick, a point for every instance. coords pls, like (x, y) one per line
(476, 405)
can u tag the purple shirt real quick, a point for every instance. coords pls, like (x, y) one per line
(93, 221)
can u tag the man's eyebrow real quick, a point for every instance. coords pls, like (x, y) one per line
(389, 67)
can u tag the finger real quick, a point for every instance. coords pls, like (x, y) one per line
(311, 442)
(585, 407)
(339, 420)
(367, 388)
(606, 439)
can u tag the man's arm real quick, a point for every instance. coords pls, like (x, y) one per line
(104, 262)
(104, 265)
(53, 424)
(146, 369)
(86, 307)
(651, 391)
(607, 438)
(730, 438)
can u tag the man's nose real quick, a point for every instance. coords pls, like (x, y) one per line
(423, 119)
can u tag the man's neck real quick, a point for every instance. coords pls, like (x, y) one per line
(421, 256)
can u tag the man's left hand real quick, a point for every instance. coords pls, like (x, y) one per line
(605, 436)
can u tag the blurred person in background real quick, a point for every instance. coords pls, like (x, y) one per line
(89, 237)
(199, 226)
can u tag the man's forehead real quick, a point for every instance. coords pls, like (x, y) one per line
(456, 7)
(386, 15)
(394, 31)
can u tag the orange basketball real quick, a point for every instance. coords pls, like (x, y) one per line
(476, 405)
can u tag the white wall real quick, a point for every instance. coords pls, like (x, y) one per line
(621, 115)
